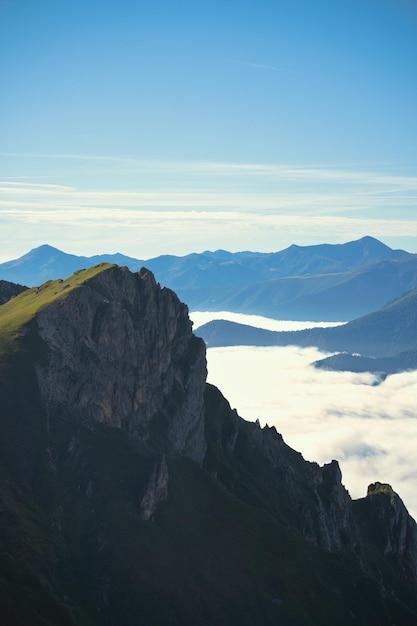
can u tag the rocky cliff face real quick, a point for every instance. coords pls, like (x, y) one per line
(137, 495)
(9, 290)
(384, 515)
(299, 493)
(120, 350)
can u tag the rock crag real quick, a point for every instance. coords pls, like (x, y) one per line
(131, 492)
(120, 351)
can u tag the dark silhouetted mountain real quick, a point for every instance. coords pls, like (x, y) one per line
(9, 290)
(131, 493)
(384, 366)
(322, 282)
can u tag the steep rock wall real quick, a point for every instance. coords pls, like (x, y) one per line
(120, 350)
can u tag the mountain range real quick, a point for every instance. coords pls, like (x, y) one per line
(131, 493)
(384, 341)
(322, 282)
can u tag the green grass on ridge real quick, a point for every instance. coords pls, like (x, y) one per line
(23, 308)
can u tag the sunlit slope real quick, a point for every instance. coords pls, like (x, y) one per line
(19, 311)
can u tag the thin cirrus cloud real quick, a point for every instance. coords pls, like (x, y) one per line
(206, 205)
(351, 174)
(137, 210)
(144, 232)
(205, 184)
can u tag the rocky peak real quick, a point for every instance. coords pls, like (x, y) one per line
(393, 529)
(297, 492)
(120, 350)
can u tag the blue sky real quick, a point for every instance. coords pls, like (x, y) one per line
(171, 127)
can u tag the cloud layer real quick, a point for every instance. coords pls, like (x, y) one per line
(370, 429)
(89, 204)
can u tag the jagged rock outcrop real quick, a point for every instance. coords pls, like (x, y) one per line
(384, 515)
(301, 494)
(9, 290)
(156, 490)
(131, 492)
(120, 350)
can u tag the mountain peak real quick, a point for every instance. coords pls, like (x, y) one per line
(19, 311)
(371, 242)
(126, 478)
(104, 320)
(41, 252)
(45, 247)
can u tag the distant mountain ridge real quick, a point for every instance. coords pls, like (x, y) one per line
(326, 282)
(384, 341)
(48, 263)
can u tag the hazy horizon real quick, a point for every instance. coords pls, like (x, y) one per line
(194, 251)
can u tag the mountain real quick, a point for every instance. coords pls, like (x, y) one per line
(390, 330)
(317, 297)
(9, 290)
(384, 341)
(48, 263)
(131, 493)
(214, 270)
(322, 282)
(383, 366)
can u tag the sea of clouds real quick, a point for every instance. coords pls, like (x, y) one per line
(370, 428)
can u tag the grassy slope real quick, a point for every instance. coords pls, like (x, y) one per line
(24, 307)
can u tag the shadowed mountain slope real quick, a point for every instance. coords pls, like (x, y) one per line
(131, 493)
(9, 290)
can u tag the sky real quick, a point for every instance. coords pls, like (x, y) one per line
(149, 128)
(370, 429)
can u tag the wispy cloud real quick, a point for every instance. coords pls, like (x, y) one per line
(283, 203)
(231, 205)
(148, 224)
(278, 172)
(74, 157)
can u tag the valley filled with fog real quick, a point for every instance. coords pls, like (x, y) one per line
(369, 426)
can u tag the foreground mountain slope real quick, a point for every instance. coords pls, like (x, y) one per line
(130, 492)
(321, 282)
